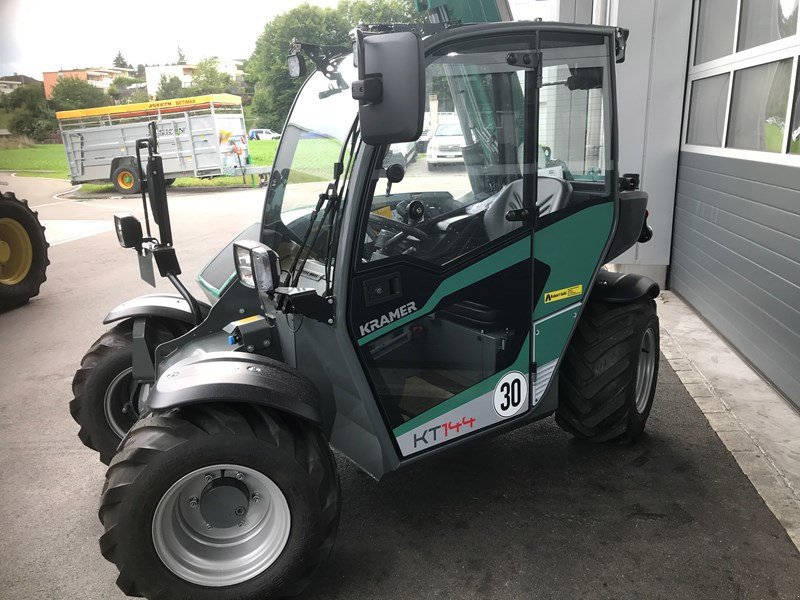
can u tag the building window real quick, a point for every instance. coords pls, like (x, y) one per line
(715, 29)
(764, 21)
(794, 132)
(758, 107)
(709, 98)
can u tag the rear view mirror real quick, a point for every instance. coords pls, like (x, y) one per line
(390, 87)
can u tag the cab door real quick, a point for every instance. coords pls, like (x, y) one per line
(444, 283)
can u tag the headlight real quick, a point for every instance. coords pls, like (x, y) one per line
(257, 265)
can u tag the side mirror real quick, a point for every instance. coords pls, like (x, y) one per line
(297, 66)
(257, 266)
(391, 87)
(129, 230)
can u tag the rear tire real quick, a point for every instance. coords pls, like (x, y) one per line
(23, 252)
(608, 377)
(164, 448)
(102, 403)
(126, 179)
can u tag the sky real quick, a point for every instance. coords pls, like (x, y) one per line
(48, 35)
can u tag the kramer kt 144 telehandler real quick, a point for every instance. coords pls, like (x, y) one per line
(390, 315)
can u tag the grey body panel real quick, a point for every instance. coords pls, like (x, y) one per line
(165, 306)
(736, 258)
(236, 377)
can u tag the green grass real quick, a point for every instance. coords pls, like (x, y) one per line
(43, 160)
(49, 160)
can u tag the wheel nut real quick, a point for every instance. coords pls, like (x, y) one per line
(239, 476)
(209, 477)
(240, 511)
(256, 498)
(208, 525)
(193, 501)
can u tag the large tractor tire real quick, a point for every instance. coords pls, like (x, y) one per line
(23, 252)
(106, 402)
(219, 502)
(608, 377)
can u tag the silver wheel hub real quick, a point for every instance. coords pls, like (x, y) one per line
(221, 525)
(645, 370)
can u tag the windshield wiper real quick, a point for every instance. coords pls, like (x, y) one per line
(330, 199)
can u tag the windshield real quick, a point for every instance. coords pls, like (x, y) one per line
(312, 140)
(449, 129)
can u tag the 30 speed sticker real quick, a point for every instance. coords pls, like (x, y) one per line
(562, 294)
(511, 394)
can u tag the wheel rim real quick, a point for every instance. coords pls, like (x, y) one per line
(125, 180)
(201, 534)
(16, 252)
(118, 404)
(645, 371)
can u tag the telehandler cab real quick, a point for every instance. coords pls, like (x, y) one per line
(392, 315)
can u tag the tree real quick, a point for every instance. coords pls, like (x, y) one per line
(274, 89)
(140, 73)
(29, 96)
(181, 56)
(120, 62)
(139, 95)
(70, 94)
(123, 88)
(169, 88)
(30, 115)
(207, 79)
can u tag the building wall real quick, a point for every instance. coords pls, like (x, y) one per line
(736, 257)
(51, 79)
(153, 76)
(736, 243)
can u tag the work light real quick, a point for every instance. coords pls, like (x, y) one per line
(257, 265)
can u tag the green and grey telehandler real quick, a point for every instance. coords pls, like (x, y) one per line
(390, 313)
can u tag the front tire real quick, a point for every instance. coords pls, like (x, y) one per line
(164, 524)
(105, 404)
(608, 377)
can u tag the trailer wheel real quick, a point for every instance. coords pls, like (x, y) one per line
(608, 377)
(219, 502)
(125, 180)
(23, 252)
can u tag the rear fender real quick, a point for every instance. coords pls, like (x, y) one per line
(623, 287)
(241, 378)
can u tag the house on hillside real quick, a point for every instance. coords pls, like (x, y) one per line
(11, 82)
(99, 77)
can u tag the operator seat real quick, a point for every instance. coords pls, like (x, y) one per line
(552, 195)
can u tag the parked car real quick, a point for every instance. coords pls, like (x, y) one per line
(263, 134)
(403, 154)
(445, 145)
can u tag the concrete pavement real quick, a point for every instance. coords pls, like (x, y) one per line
(528, 514)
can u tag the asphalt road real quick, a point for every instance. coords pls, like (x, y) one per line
(531, 514)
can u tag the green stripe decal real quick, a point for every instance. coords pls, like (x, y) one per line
(496, 262)
(522, 364)
(210, 288)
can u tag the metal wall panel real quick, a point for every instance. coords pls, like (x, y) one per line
(736, 257)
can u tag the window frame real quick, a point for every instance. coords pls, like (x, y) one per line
(788, 47)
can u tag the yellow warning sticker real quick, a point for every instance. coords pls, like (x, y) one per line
(563, 294)
(384, 211)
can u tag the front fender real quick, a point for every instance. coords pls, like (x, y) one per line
(238, 377)
(165, 306)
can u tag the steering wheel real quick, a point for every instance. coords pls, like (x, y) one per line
(403, 229)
